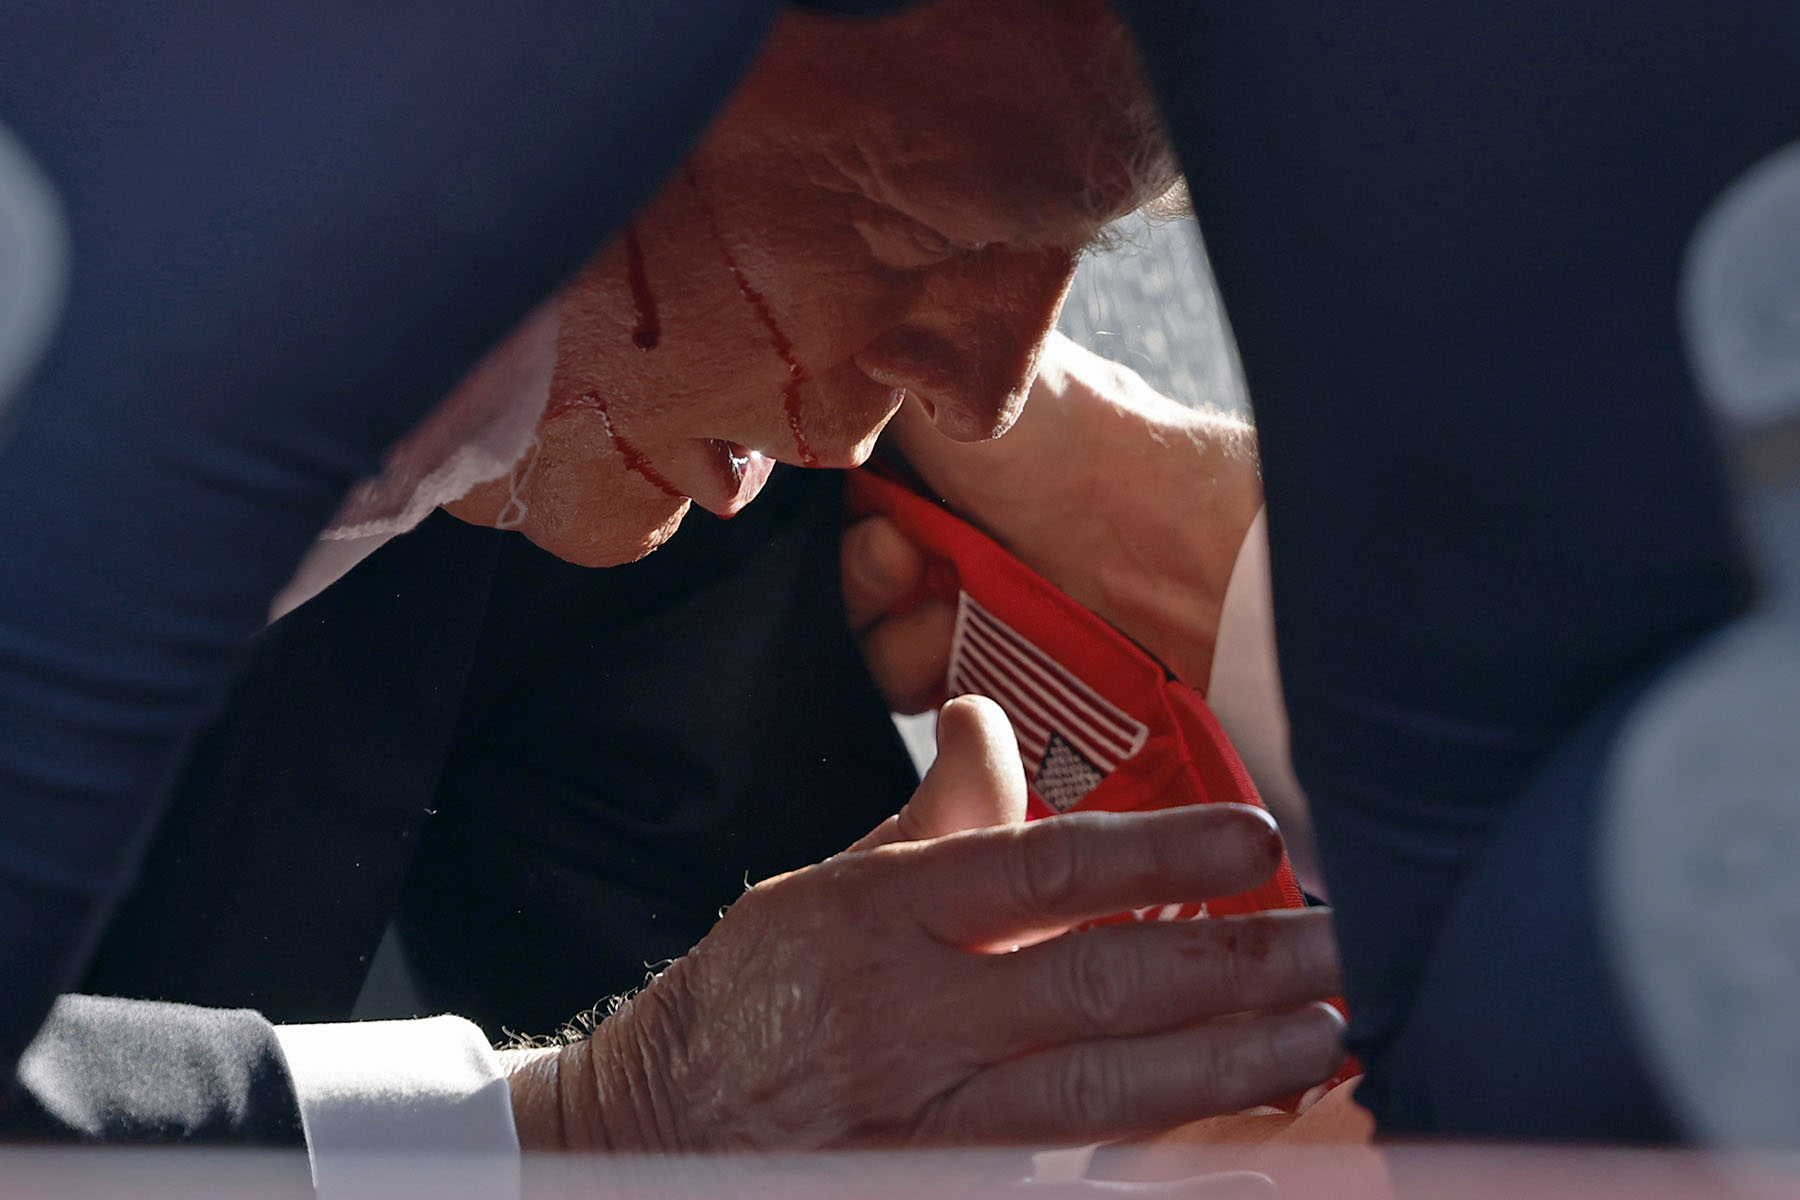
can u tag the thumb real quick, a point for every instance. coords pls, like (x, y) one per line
(977, 780)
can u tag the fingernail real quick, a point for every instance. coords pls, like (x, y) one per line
(1311, 1042)
(1254, 828)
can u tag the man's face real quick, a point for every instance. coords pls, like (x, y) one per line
(887, 211)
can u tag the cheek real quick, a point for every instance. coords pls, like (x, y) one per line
(709, 351)
(737, 319)
(577, 499)
(828, 298)
(586, 505)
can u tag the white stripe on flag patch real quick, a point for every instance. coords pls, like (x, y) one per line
(1063, 725)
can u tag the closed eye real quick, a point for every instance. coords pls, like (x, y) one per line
(898, 241)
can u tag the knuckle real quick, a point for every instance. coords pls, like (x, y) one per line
(1234, 970)
(1099, 985)
(852, 891)
(839, 890)
(1044, 868)
(1090, 1090)
(1225, 1067)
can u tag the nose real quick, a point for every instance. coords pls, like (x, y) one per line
(968, 347)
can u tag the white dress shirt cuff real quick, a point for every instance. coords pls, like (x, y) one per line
(389, 1106)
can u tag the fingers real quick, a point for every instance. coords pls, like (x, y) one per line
(908, 652)
(846, 1003)
(1121, 1086)
(1001, 886)
(976, 781)
(880, 570)
(1152, 976)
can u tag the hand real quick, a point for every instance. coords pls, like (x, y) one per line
(1133, 504)
(907, 649)
(872, 1000)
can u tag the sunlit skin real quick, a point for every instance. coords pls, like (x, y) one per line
(881, 212)
(892, 210)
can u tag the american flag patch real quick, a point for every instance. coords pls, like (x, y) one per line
(1069, 735)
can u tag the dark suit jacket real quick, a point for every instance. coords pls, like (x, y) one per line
(551, 777)
(121, 1070)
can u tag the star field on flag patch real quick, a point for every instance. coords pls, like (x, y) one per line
(1063, 776)
(1070, 737)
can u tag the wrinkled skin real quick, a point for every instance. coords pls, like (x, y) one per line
(1143, 527)
(905, 200)
(877, 1000)
(894, 207)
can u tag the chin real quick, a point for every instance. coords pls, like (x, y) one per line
(613, 544)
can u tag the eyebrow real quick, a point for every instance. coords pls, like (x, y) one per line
(1072, 219)
(1074, 230)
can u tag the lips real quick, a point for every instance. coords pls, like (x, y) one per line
(727, 477)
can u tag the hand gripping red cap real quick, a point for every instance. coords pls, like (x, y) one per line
(1101, 724)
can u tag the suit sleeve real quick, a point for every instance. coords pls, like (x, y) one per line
(143, 1071)
(1451, 241)
(290, 232)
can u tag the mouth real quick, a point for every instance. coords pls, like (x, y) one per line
(726, 476)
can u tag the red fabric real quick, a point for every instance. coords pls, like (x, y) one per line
(1186, 759)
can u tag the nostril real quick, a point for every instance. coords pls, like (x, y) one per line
(962, 387)
(1009, 412)
(972, 422)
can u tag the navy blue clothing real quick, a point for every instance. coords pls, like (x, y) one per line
(292, 230)
(117, 1070)
(1449, 238)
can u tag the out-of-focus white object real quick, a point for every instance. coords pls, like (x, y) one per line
(1741, 295)
(1147, 300)
(1701, 855)
(34, 263)
(1702, 862)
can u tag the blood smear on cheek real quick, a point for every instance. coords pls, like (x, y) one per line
(648, 335)
(635, 460)
(798, 375)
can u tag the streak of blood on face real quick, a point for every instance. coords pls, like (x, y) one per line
(798, 375)
(634, 459)
(648, 335)
(885, 209)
